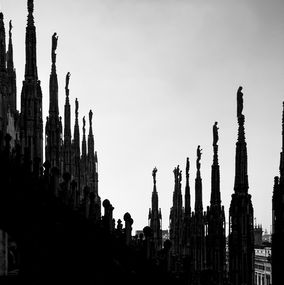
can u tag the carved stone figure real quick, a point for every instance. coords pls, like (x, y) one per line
(84, 123)
(239, 101)
(67, 80)
(76, 107)
(198, 157)
(215, 134)
(90, 117)
(54, 46)
(154, 174)
(10, 27)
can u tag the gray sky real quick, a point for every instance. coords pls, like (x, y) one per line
(157, 75)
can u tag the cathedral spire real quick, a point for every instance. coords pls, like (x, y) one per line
(91, 147)
(187, 207)
(241, 236)
(31, 124)
(53, 124)
(155, 216)
(2, 45)
(67, 114)
(53, 81)
(67, 130)
(215, 172)
(84, 145)
(12, 88)
(76, 130)
(198, 184)
(281, 168)
(241, 176)
(31, 63)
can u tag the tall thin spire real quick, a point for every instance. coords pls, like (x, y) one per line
(67, 130)
(155, 216)
(12, 87)
(215, 172)
(2, 45)
(67, 114)
(53, 81)
(281, 167)
(84, 145)
(187, 206)
(31, 62)
(31, 125)
(53, 123)
(76, 144)
(176, 223)
(91, 147)
(198, 184)
(215, 240)
(241, 236)
(241, 176)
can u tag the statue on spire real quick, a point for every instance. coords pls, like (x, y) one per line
(176, 173)
(10, 28)
(90, 117)
(67, 80)
(76, 107)
(198, 157)
(84, 124)
(215, 134)
(180, 176)
(54, 46)
(154, 174)
(240, 102)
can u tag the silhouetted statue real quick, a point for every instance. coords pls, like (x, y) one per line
(180, 176)
(215, 134)
(154, 174)
(90, 117)
(84, 124)
(54, 46)
(239, 102)
(67, 80)
(10, 27)
(198, 157)
(76, 107)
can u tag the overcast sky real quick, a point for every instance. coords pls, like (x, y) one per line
(157, 75)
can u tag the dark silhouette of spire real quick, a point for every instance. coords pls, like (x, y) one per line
(198, 184)
(53, 124)
(215, 172)
(11, 72)
(278, 217)
(31, 62)
(84, 144)
(76, 147)
(91, 145)
(155, 217)
(241, 236)
(3, 83)
(215, 239)
(187, 224)
(93, 171)
(176, 224)
(31, 129)
(241, 176)
(198, 244)
(2, 45)
(187, 207)
(67, 130)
